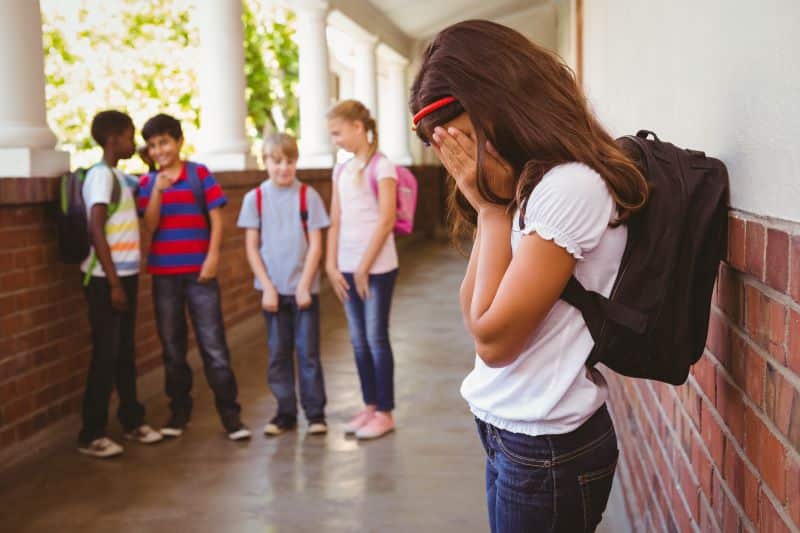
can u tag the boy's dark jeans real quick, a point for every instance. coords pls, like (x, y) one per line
(553, 483)
(112, 360)
(292, 327)
(171, 295)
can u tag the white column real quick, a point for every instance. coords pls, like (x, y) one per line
(222, 141)
(366, 73)
(313, 91)
(395, 122)
(26, 141)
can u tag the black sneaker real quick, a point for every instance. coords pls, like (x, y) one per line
(175, 427)
(280, 424)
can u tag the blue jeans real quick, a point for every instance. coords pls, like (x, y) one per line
(292, 327)
(368, 322)
(550, 483)
(172, 294)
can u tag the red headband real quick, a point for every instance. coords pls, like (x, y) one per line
(430, 108)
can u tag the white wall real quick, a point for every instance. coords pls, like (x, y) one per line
(537, 24)
(717, 75)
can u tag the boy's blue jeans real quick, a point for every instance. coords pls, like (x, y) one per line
(549, 483)
(368, 321)
(290, 328)
(172, 294)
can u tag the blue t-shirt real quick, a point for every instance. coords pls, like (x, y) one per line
(283, 243)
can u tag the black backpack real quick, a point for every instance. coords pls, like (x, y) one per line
(72, 224)
(655, 322)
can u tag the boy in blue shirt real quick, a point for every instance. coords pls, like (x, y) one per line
(284, 219)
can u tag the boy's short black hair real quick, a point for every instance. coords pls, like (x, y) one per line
(162, 124)
(107, 123)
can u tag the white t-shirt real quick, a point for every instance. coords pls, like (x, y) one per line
(122, 228)
(359, 216)
(548, 389)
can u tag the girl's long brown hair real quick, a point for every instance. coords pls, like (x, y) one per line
(523, 99)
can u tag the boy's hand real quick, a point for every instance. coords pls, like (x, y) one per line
(339, 284)
(163, 182)
(119, 301)
(303, 298)
(269, 300)
(361, 279)
(209, 269)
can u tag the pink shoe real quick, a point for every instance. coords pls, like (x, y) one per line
(359, 421)
(378, 426)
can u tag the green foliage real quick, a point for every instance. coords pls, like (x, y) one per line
(138, 56)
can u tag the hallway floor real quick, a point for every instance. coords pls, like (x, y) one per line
(427, 476)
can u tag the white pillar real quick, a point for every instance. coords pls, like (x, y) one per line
(222, 141)
(395, 122)
(366, 73)
(26, 141)
(314, 90)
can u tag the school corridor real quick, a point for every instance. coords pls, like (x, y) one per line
(427, 476)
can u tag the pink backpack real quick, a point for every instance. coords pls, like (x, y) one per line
(406, 193)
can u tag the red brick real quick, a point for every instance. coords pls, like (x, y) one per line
(793, 490)
(705, 374)
(736, 243)
(770, 521)
(757, 318)
(755, 368)
(794, 288)
(767, 453)
(701, 464)
(730, 521)
(777, 272)
(752, 487)
(755, 247)
(712, 436)
(793, 355)
(730, 406)
(733, 472)
(777, 329)
(730, 293)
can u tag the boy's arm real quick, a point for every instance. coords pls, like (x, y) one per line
(311, 263)
(152, 213)
(209, 268)
(251, 244)
(97, 232)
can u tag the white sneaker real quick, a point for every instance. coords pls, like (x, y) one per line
(239, 434)
(317, 428)
(144, 434)
(102, 448)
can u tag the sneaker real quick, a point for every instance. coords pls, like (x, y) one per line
(144, 434)
(280, 424)
(379, 425)
(360, 420)
(175, 427)
(317, 427)
(102, 448)
(239, 433)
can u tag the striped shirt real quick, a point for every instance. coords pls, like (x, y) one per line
(122, 227)
(180, 243)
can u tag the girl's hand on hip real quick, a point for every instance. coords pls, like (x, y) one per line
(458, 153)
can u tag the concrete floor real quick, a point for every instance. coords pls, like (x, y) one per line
(427, 476)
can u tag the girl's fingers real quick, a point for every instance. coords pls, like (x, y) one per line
(465, 142)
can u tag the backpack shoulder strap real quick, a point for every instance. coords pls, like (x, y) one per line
(304, 208)
(372, 171)
(259, 204)
(116, 193)
(197, 189)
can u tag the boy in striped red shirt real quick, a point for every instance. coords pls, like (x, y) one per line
(181, 205)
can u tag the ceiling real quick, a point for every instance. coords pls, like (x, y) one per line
(421, 19)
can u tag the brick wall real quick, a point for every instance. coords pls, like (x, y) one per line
(44, 336)
(722, 452)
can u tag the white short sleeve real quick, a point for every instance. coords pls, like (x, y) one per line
(385, 169)
(97, 186)
(571, 206)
